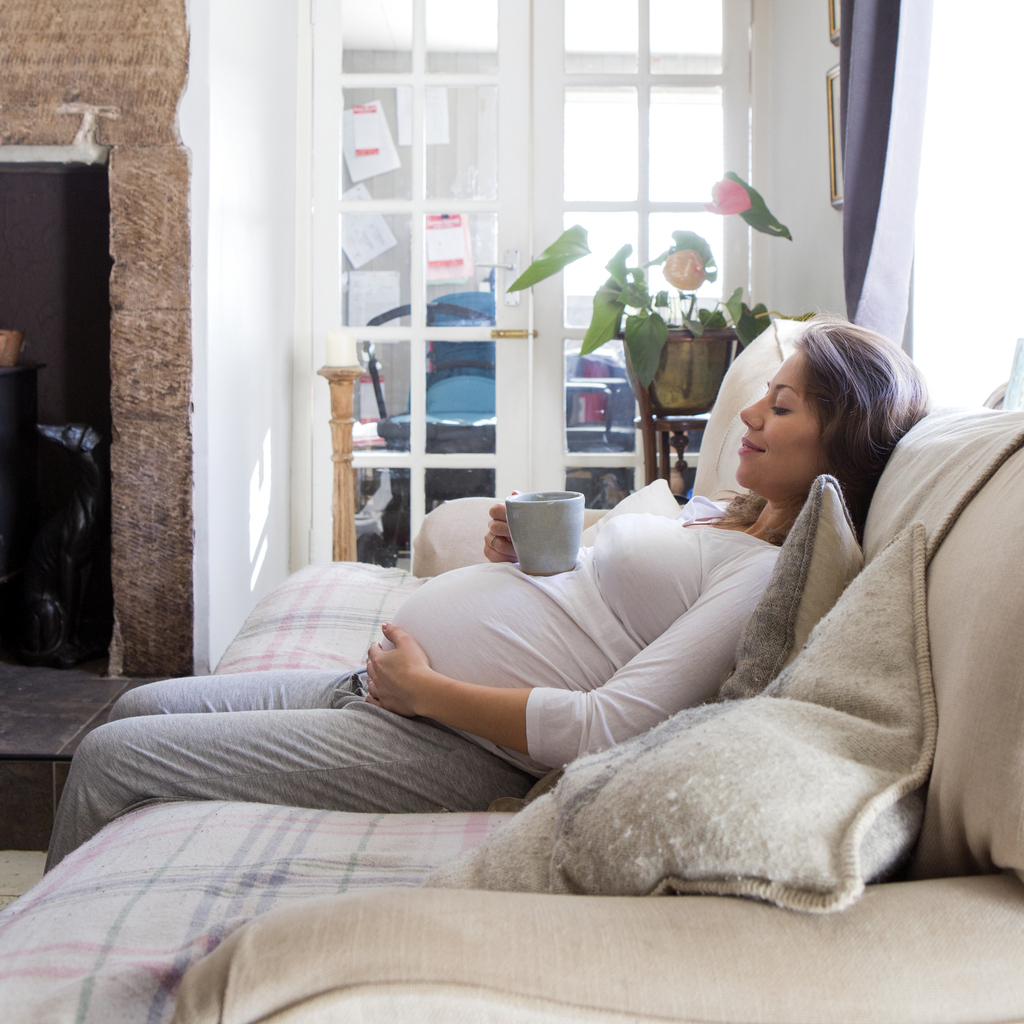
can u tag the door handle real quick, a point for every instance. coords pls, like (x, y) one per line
(511, 268)
(513, 334)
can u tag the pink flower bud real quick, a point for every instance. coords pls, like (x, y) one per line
(685, 270)
(729, 197)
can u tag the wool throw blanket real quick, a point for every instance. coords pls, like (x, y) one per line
(799, 795)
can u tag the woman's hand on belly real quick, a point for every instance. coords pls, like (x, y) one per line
(402, 681)
(399, 676)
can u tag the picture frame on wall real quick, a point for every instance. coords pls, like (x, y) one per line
(835, 142)
(833, 21)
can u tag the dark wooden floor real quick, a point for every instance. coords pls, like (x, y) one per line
(44, 713)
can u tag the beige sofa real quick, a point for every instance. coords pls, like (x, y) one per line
(121, 923)
(944, 943)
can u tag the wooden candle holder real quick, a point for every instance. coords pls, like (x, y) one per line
(342, 380)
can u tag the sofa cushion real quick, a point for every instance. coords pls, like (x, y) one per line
(106, 935)
(962, 473)
(936, 952)
(936, 469)
(819, 558)
(798, 796)
(323, 616)
(451, 536)
(745, 382)
(655, 499)
(974, 818)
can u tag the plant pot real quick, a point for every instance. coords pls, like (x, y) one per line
(689, 374)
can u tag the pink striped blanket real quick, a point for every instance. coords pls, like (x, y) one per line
(106, 936)
(323, 616)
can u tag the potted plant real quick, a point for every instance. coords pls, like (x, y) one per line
(700, 345)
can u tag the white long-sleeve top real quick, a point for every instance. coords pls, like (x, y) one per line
(646, 624)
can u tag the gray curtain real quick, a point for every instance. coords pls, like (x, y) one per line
(883, 56)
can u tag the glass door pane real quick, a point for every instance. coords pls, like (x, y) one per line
(377, 37)
(686, 144)
(594, 170)
(376, 160)
(601, 36)
(462, 36)
(375, 278)
(686, 37)
(462, 142)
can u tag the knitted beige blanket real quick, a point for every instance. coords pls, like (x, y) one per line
(799, 795)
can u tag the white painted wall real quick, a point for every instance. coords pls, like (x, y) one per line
(238, 118)
(791, 54)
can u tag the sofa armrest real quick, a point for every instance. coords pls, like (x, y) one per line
(930, 951)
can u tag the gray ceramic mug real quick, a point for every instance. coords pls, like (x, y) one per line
(546, 527)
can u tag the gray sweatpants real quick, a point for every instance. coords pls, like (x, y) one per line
(300, 738)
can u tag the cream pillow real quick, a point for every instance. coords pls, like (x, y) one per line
(655, 499)
(452, 535)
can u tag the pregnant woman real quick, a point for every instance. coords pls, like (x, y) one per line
(488, 677)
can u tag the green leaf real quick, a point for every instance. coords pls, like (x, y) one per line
(606, 318)
(695, 327)
(751, 323)
(570, 246)
(691, 240)
(645, 338)
(759, 217)
(735, 305)
(637, 276)
(616, 266)
(661, 299)
(637, 297)
(712, 319)
(661, 259)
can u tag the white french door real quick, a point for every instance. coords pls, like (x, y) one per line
(421, 211)
(642, 104)
(452, 138)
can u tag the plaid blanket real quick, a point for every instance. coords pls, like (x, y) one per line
(323, 616)
(107, 935)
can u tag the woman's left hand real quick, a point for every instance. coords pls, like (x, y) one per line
(397, 677)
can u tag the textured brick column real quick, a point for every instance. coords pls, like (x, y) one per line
(132, 55)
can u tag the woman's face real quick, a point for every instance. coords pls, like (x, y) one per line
(781, 451)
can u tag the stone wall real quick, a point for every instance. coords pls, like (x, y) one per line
(132, 55)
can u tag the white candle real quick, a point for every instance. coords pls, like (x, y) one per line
(341, 349)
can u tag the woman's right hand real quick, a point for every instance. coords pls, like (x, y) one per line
(497, 544)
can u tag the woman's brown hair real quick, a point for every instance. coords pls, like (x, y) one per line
(866, 393)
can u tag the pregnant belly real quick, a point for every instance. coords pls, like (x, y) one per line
(492, 625)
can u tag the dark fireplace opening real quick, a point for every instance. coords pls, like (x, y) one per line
(54, 287)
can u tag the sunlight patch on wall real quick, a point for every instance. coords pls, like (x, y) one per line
(259, 511)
